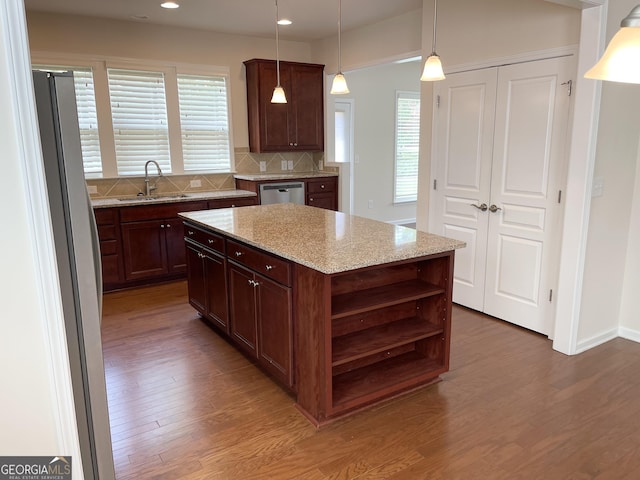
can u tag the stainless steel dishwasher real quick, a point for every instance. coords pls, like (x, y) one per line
(290, 192)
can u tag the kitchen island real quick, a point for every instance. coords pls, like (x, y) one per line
(342, 311)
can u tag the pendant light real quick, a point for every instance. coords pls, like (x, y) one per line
(433, 66)
(621, 59)
(339, 85)
(278, 92)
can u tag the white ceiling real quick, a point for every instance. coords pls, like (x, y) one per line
(312, 19)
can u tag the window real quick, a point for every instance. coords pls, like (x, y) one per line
(139, 116)
(407, 147)
(204, 123)
(175, 115)
(87, 117)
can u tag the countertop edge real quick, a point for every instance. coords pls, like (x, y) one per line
(256, 177)
(191, 197)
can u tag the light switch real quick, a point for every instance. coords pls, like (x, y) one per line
(290, 164)
(92, 189)
(283, 165)
(263, 166)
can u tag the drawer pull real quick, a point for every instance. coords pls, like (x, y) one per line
(311, 199)
(238, 254)
(322, 186)
(269, 267)
(162, 225)
(168, 225)
(190, 232)
(211, 240)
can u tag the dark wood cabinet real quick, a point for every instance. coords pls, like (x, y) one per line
(207, 278)
(108, 224)
(296, 125)
(145, 249)
(242, 308)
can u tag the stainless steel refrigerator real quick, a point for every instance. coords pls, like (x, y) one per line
(78, 259)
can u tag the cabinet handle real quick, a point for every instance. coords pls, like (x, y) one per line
(268, 267)
(211, 240)
(190, 232)
(322, 186)
(311, 199)
(233, 205)
(295, 144)
(238, 254)
(162, 225)
(168, 225)
(251, 283)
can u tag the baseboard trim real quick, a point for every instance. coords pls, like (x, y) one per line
(629, 334)
(596, 340)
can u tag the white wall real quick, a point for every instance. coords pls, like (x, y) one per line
(89, 36)
(611, 265)
(373, 91)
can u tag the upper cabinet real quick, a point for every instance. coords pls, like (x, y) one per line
(296, 125)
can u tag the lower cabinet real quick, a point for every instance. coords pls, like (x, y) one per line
(260, 317)
(207, 281)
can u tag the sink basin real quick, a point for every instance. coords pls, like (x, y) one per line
(142, 198)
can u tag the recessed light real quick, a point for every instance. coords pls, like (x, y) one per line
(170, 4)
(284, 21)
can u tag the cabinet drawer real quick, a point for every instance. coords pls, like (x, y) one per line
(319, 186)
(105, 216)
(108, 247)
(262, 262)
(159, 211)
(233, 202)
(206, 239)
(106, 232)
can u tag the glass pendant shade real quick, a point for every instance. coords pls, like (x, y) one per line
(432, 69)
(339, 85)
(621, 59)
(278, 95)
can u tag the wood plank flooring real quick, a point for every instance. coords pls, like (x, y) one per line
(184, 404)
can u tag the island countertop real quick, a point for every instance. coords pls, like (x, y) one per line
(327, 241)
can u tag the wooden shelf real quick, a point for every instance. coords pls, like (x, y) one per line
(380, 297)
(391, 376)
(354, 346)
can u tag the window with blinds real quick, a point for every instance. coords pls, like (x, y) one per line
(87, 117)
(407, 147)
(139, 117)
(204, 121)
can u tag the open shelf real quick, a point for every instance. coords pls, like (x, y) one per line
(383, 378)
(354, 346)
(379, 297)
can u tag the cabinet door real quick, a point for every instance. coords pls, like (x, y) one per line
(215, 272)
(306, 125)
(242, 308)
(176, 254)
(144, 248)
(274, 123)
(196, 278)
(274, 328)
(322, 200)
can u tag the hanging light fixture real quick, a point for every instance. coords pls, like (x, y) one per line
(621, 59)
(278, 92)
(339, 85)
(433, 66)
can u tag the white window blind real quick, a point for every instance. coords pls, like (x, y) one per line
(407, 146)
(204, 121)
(139, 116)
(87, 118)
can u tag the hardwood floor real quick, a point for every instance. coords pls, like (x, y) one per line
(184, 404)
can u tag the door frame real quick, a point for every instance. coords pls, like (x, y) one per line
(580, 168)
(346, 180)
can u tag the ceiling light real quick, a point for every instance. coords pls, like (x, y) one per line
(284, 21)
(433, 66)
(278, 92)
(339, 85)
(170, 4)
(621, 59)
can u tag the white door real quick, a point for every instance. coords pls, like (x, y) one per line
(510, 271)
(464, 143)
(344, 152)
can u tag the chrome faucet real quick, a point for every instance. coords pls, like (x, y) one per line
(148, 188)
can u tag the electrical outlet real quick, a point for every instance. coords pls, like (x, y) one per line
(92, 189)
(195, 183)
(263, 166)
(283, 165)
(290, 165)
(598, 187)
(320, 165)
(370, 204)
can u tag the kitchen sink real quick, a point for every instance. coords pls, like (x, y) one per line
(142, 198)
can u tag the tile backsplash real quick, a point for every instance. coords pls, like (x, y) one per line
(246, 162)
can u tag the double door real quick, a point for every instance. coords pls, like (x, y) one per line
(499, 137)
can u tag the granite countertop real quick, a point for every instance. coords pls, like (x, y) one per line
(327, 241)
(169, 198)
(256, 177)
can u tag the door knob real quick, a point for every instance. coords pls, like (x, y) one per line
(482, 208)
(494, 209)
